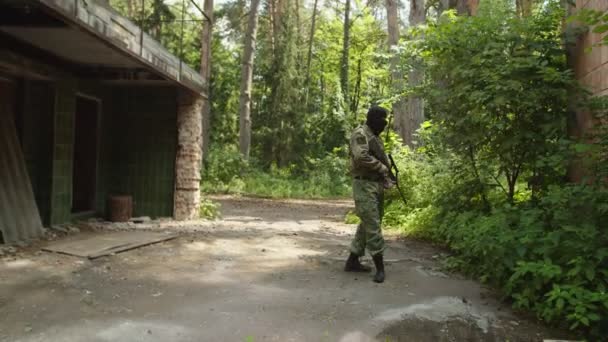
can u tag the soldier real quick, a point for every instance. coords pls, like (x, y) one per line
(370, 171)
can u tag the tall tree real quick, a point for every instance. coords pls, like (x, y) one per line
(311, 40)
(523, 7)
(344, 60)
(277, 9)
(399, 107)
(271, 20)
(415, 104)
(161, 14)
(285, 111)
(130, 8)
(206, 36)
(247, 79)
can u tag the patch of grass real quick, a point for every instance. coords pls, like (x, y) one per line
(227, 172)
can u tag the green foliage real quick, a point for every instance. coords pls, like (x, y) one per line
(489, 179)
(594, 20)
(549, 254)
(351, 218)
(497, 90)
(227, 172)
(540, 252)
(209, 209)
(223, 169)
(291, 123)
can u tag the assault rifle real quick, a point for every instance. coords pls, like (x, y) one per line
(393, 171)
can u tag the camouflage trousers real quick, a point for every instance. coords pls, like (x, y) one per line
(369, 198)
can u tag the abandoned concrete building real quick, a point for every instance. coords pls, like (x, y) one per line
(91, 106)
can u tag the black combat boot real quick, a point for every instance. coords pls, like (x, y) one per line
(354, 265)
(379, 262)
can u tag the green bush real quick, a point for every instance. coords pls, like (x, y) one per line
(223, 169)
(489, 180)
(351, 218)
(227, 172)
(209, 209)
(548, 254)
(550, 257)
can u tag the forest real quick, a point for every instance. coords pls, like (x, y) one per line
(481, 95)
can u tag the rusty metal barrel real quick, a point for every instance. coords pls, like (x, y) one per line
(119, 208)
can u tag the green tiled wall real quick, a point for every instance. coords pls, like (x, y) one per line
(37, 140)
(63, 137)
(138, 146)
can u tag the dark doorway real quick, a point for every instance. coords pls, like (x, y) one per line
(85, 155)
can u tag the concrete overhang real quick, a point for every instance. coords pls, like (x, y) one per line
(96, 40)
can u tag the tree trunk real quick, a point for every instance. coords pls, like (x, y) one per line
(298, 28)
(524, 7)
(415, 104)
(206, 36)
(322, 85)
(246, 80)
(130, 9)
(354, 101)
(279, 9)
(462, 7)
(344, 61)
(309, 57)
(273, 27)
(399, 107)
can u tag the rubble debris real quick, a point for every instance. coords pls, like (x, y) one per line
(142, 219)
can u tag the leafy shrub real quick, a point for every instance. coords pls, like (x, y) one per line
(209, 209)
(548, 254)
(489, 180)
(352, 218)
(223, 169)
(550, 257)
(326, 177)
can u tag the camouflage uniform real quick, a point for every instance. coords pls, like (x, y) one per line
(369, 166)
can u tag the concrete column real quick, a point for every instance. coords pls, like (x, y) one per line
(189, 156)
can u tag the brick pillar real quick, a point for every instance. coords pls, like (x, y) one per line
(189, 156)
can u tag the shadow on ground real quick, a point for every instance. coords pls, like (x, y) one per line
(258, 282)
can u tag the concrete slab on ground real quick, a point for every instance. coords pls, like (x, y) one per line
(95, 246)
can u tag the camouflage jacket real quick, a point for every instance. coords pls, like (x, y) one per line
(367, 157)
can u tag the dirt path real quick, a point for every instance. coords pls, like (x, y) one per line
(269, 271)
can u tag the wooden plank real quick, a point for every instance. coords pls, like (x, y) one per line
(105, 244)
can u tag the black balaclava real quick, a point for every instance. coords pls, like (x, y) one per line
(376, 119)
